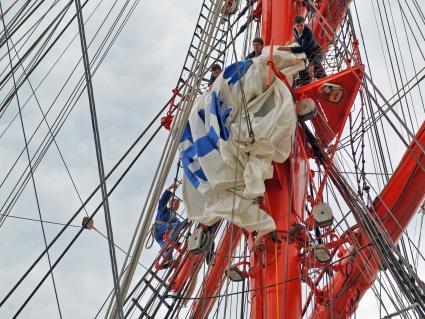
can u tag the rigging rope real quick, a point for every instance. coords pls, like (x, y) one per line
(87, 200)
(172, 143)
(80, 85)
(31, 171)
(98, 148)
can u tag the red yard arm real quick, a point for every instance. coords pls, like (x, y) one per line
(395, 207)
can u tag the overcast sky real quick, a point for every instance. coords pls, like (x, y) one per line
(132, 84)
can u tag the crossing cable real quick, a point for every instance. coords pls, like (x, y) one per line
(133, 161)
(220, 54)
(29, 32)
(389, 213)
(8, 9)
(378, 237)
(33, 46)
(366, 266)
(378, 144)
(388, 209)
(98, 187)
(12, 21)
(411, 135)
(58, 127)
(60, 154)
(20, 18)
(397, 63)
(372, 119)
(172, 143)
(42, 56)
(85, 203)
(45, 150)
(101, 169)
(414, 18)
(78, 233)
(393, 288)
(411, 55)
(31, 171)
(126, 19)
(404, 67)
(390, 40)
(44, 221)
(34, 62)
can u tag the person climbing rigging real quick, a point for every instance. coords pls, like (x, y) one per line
(166, 221)
(257, 45)
(215, 72)
(307, 44)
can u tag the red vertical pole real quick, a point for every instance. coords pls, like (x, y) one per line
(276, 271)
(332, 13)
(277, 20)
(275, 266)
(395, 206)
(214, 278)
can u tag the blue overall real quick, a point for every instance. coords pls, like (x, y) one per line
(166, 215)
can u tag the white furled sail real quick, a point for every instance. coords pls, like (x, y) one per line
(233, 135)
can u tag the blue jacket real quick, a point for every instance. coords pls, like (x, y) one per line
(164, 214)
(306, 41)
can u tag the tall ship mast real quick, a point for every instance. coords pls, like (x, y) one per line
(298, 198)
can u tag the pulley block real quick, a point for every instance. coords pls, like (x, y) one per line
(322, 214)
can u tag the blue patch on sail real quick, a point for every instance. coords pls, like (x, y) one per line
(234, 72)
(213, 123)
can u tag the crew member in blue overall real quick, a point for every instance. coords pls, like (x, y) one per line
(307, 44)
(166, 219)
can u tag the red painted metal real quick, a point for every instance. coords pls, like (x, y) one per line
(333, 116)
(213, 280)
(403, 192)
(167, 120)
(277, 20)
(332, 14)
(185, 271)
(275, 265)
(276, 284)
(402, 196)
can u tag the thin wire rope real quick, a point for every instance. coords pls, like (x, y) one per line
(59, 234)
(99, 156)
(89, 198)
(171, 145)
(78, 233)
(368, 78)
(336, 158)
(80, 84)
(267, 286)
(28, 33)
(115, 38)
(32, 175)
(372, 231)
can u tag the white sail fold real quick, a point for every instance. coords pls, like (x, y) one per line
(226, 166)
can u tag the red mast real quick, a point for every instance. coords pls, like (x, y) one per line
(275, 268)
